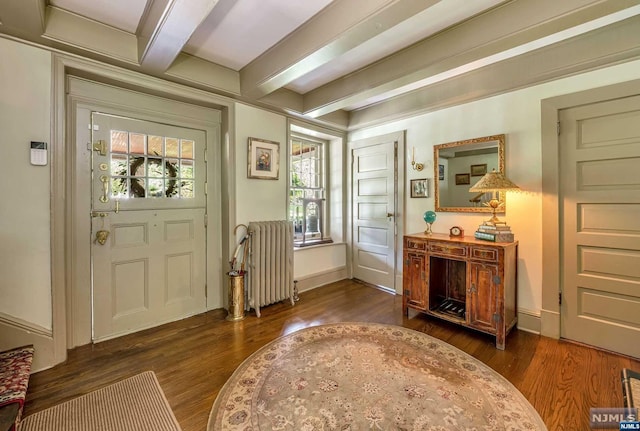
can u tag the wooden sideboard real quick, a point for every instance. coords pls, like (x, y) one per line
(463, 280)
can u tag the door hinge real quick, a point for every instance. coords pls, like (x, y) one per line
(558, 126)
(206, 220)
(206, 188)
(496, 317)
(560, 298)
(497, 280)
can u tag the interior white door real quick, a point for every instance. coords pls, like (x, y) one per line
(148, 224)
(374, 209)
(600, 190)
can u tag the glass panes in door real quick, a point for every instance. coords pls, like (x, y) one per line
(148, 166)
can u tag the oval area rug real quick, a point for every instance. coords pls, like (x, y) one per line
(363, 376)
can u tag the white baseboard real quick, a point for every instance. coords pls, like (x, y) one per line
(318, 279)
(528, 321)
(550, 323)
(16, 332)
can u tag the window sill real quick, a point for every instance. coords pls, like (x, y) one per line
(318, 243)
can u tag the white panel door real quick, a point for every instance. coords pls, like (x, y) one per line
(373, 200)
(149, 201)
(600, 190)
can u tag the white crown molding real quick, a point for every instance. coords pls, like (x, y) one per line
(195, 71)
(76, 31)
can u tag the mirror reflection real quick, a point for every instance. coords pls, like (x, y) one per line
(459, 165)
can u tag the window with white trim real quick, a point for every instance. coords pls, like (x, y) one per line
(307, 190)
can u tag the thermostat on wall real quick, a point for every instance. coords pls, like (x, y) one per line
(38, 153)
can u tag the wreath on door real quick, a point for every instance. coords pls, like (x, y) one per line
(137, 186)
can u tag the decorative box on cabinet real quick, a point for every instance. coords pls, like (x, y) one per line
(463, 280)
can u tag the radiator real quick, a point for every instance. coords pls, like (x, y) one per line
(270, 263)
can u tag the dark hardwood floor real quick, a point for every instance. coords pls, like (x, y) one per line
(194, 357)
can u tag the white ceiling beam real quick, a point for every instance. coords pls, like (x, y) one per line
(501, 29)
(340, 27)
(165, 29)
(23, 16)
(617, 43)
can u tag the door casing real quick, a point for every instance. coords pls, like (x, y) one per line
(400, 212)
(551, 241)
(85, 96)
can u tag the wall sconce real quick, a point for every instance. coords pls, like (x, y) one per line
(414, 165)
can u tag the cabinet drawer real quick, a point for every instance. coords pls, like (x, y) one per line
(490, 254)
(448, 249)
(414, 244)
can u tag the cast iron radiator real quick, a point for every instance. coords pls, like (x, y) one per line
(270, 263)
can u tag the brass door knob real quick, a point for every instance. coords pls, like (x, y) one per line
(101, 237)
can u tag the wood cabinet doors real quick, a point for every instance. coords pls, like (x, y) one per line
(483, 296)
(414, 280)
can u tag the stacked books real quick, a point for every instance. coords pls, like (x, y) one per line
(494, 232)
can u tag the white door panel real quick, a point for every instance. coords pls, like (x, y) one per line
(151, 268)
(374, 200)
(600, 189)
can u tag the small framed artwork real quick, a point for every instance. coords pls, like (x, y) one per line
(441, 172)
(478, 170)
(420, 188)
(462, 179)
(263, 159)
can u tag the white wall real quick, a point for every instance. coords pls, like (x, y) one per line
(317, 260)
(25, 109)
(256, 199)
(517, 114)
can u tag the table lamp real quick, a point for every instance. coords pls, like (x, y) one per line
(494, 182)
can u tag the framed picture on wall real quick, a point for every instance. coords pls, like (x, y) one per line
(441, 172)
(263, 159)
(420, 188)
(478, 170)
(462, 179)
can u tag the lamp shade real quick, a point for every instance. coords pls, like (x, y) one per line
(494, 182)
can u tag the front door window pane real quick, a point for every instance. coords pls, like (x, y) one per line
(172, 147)
(119, 142)
(156, 146)
(137, 143)
(150, 166)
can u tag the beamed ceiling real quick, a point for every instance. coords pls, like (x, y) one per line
(344, 63)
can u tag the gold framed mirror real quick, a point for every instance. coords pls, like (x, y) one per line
(459, 165)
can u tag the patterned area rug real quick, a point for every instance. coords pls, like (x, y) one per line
(133, 404)
(354, 376)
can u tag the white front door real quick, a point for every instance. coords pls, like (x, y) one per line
(148, 224)
(600, 190)
(374, 209)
